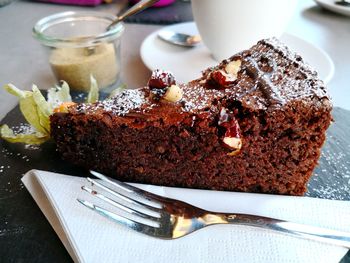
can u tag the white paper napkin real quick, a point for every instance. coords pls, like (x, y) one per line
(89, 237)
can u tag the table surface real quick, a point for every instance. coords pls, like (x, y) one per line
(22, 61)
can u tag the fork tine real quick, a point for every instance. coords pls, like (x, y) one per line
(129, 199)
(150, 205)
(119, 205)
(141, 194)
(140, 227)
(124, 197)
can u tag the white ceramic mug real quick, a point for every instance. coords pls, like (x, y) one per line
(230, 26)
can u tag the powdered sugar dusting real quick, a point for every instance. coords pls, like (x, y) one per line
(196, 97)
(333, 164)
(271, 76)
(23, 128)
(124, 102)
(120, 104)
(298, 78)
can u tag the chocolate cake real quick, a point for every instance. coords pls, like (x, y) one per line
(254, 123)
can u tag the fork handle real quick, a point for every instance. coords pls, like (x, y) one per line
(329, 236)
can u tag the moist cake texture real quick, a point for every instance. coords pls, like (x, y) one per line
(254, 123)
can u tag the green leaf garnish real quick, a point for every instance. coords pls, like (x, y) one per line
(43, 109)
(93, 93)
(10, 88)
(37, 110)
(27, 106)
(59, 94)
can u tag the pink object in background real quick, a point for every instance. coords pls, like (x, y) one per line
(75, 2)
(160, 3)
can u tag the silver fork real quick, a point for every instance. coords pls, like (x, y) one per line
(167, 218)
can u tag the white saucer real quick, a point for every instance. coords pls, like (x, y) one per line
(330, 5)
(187, 63)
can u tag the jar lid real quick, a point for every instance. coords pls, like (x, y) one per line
(77, 29)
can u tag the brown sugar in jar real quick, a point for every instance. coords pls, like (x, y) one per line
(81, 44)
(75, 65)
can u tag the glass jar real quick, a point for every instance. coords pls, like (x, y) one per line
(78, 45)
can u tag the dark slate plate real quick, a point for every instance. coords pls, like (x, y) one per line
(26, 236)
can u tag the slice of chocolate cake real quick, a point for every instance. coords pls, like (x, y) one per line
(254, 123)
